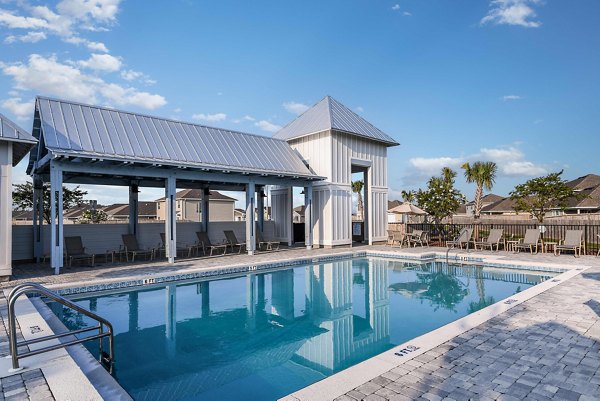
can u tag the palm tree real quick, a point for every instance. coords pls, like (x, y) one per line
(483, 174)
(408, 196)
(357, 187)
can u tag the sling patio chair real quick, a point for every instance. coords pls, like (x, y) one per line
(390, 237)
(573, 242)
(260, 240)
(493, 238)
(398, 238)
(419, 237)
(530, 242)
(180, 248)
(463, 238)
(233, 241)
(133, 248)
(204, 243)
(75, 250)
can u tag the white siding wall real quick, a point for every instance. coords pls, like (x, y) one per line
(316, 149)
(281, 208)
(98, 238)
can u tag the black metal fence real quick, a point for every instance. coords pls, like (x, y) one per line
(440, 233)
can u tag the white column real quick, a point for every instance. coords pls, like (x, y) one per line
(170, 219)
(5, 209)
(171, 320)
(133, 209)
(38, 217)
(260, 207)
(204, 209)
(368, 219)
(56, 217)
(308, 223)
(290, 214)
(250, 227)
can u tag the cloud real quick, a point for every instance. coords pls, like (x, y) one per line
(23, 110)
(512, 12)
(210, 117)
(396, 7)
(360, 109)
(245, 118)
(96, 46)
(13, 21)
(407, 14)
(295, 107)
(49, 76)
(508, 98)
(267, 126)
(102, 62)
(30, 37)
(511, 162)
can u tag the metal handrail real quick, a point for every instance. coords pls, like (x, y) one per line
(27, 288)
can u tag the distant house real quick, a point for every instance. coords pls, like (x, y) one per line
(394, 217)
(486, 200)
(589, 188)
(298, 214)
(240, 214)
(147, 211)
(501, 207)
(22, 215)
(221, 207)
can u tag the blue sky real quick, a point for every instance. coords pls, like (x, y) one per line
(513, 81)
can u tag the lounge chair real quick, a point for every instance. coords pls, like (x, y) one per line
(390, 239)
(75, 250)
(419, 237)
(598, 254)
(463, 238)
(573, 242)
(180, 248)
(494, 238)
(133, 248)
(260, 240)
(530, 242)
(233, 241)
(204, 242)
(398, 238)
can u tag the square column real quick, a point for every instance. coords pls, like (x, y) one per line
(56, 218)
(204, 209)
(134, 210)
(260, 207)
(5, 209)
(38, 217)
(308, 225)
(250, 227)
(170, 219)
(290, 220)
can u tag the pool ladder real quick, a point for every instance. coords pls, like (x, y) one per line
(106, 360)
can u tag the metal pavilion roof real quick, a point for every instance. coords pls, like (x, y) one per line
(22, 140)
(329, 114)
(83, 131)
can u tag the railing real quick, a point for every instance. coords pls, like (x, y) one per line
(27, 288)
(440, 233)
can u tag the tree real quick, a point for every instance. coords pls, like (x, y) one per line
(440, 199)
(23, 198)
(538, 195)
(483, 174)
(93, 216)
(409, 196)
(357, 187)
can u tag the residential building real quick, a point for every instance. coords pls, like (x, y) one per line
(188, 206)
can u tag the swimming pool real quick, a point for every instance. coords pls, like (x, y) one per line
(267, 334)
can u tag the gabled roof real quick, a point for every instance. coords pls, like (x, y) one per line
(393, 203)
(503, 205)
(90, 132)
(329, 114)
(588, 181)
(22, 140)
(197, 194)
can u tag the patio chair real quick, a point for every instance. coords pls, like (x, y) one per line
(233, 241)
(260, 240)
(162, 247)
(493, 238)
(204, 242)
(419, 237)
(390, 238)
(598, 254)
(133, 248)
(75, 250)
(531, 241)
(573, 242)
(463, 238)
(398, 238)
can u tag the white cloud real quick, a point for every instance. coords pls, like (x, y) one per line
(428, 166)
(267, 126)
(13, 21)
(102, 62)
(522, 168)
(210, 117)
(360, 109)
(512, 12)
(508, 98)
(177, 110)
(396, 7)
(295, 107)
(495, 154)
(85, 10)
(30, 37)
(244, 119)
(407, 14)
(49, 76)
(23, 110)
(97, 46)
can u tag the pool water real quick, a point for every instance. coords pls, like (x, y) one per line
(266, 335)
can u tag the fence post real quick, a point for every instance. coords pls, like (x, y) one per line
(585, 239)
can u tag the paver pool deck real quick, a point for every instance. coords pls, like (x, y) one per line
(547, 347)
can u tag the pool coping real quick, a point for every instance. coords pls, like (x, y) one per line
(362, 371)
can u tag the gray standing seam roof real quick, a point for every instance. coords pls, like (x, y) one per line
(79, 130)
(329, 114)
(22, 140)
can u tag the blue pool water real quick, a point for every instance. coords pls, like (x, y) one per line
(266, 335)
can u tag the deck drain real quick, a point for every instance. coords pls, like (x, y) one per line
(510, 301)
(35, 329)
(406, 350)
(556, 280)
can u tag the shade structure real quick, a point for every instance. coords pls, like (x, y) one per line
(408, 208)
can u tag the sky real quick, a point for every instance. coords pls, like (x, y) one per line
(510, 81)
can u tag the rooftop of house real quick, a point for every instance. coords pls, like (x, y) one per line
(196, 194)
